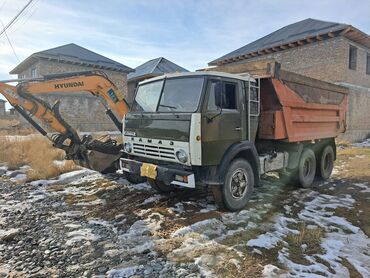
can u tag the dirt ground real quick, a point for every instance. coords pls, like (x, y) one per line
(85, 224)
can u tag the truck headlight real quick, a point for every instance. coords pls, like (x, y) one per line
(127, 147)
(182, 156)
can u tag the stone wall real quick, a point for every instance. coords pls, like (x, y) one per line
(358, 115)
(81, 110)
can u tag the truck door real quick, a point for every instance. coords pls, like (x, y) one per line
(221, 120)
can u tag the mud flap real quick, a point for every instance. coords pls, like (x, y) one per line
(217, 196)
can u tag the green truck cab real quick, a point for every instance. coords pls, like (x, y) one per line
(201, 129)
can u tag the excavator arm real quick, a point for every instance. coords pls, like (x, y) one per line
(95, 83)
(86, 151)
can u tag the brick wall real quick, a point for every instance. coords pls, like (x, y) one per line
(81, 110)
(325, 60)
(358, 116)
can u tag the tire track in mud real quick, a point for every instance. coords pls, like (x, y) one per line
(102, 225)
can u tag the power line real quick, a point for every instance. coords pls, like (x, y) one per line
(27, 15)
(15, 18)
(2, 6)
(15, 54)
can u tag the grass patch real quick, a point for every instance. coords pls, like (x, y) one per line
(357, 163)
(72, 199)
(343, 143)
(306, 242)
(353, 273)
(37, 152)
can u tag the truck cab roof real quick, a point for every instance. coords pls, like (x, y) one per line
(242, 77)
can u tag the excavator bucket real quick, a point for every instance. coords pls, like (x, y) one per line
(105, 155)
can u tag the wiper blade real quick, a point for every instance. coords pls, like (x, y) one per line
(168, 106)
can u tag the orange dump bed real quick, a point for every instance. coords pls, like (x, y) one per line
(297, 108)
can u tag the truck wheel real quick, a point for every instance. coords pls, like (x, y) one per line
(160, 186)
(134, 178)
(326, 162)
(307, 168)
(238, 185)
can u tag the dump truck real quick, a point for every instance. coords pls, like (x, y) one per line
(226, 130)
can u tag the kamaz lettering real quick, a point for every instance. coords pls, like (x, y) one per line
(69, 85)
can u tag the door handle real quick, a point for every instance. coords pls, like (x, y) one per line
(238, 128)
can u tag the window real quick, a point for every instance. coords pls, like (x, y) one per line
(352, 57)
(22, 76)
(147, 97)
(368, 63)
(34, 73)
(229, 96)
(181, 94)
(222, 95)
(172, 94)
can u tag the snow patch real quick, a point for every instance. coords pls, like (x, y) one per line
(364, 144)
(152, 199)
(19, 178)
(208, 227)
(140, 186)
(270, 271)
(74, 177)
(80, 235)
(364, 186)
(122, 272)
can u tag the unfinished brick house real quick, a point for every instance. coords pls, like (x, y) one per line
(328, 51)
(81, 110)
(151, 68)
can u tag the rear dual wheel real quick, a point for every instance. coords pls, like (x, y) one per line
(326, 163)
(308, 165)
(307, 168)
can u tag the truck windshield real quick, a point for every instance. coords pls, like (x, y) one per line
(179, 95)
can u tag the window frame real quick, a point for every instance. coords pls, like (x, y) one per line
(182, 77)
(34, 73)
(223, 82)
(352, 61)
(367, 66)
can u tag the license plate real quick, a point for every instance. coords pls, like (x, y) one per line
(148, 170)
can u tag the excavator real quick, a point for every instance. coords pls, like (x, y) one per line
(100, 154)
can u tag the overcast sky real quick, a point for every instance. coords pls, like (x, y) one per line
(190, 33)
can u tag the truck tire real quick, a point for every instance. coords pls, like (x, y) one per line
(238, 185)
(160, 186)
(135, 178)
(307, 168)
(326, 162)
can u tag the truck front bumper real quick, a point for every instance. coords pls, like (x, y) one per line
(165, 174)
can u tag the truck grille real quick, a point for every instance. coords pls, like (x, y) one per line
(154, 151)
